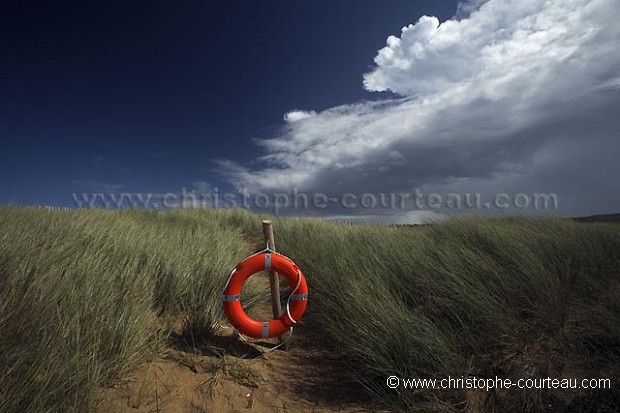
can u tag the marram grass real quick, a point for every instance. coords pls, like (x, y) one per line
(87, 295)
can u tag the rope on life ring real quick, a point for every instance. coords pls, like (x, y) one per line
(295, 306)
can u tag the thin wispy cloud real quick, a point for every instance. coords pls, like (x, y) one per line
(99, 186)
(506, 96)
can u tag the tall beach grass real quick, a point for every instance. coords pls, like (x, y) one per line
(87, 295)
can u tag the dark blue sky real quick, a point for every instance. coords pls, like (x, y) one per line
(147, 94)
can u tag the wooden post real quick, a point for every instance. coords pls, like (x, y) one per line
(276, 306)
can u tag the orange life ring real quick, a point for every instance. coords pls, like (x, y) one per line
(296, 304)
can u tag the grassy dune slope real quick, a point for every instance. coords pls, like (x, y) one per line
(87, 295)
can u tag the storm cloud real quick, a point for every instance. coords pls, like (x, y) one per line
(508, 96)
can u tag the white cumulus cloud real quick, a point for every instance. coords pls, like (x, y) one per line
(296, 115)
(499, 42)
(516, 95)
